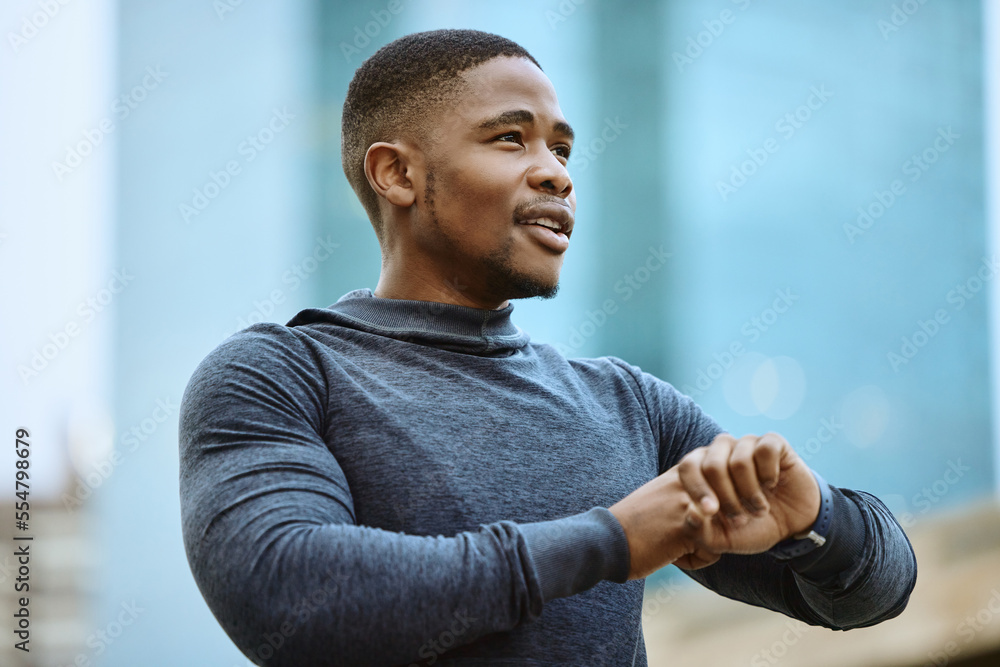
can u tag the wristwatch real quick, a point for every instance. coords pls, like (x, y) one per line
(815, 537)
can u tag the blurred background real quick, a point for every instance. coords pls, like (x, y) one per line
(787, 210)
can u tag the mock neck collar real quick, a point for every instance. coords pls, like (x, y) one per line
(442, 325)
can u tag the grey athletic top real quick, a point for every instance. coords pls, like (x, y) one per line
(393, 482)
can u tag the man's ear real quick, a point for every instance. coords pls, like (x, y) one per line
(387, 166)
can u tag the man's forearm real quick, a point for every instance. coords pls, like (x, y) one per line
(862, 576)
(868, 572)
(347, 594)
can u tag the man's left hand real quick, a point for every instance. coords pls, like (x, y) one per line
(752, 493)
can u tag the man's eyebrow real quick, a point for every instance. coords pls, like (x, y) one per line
(522, 117)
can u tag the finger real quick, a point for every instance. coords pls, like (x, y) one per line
(715, 468)
(743, 470)
(767, 458)
(697, 560)
(693, 519)
(689, 472)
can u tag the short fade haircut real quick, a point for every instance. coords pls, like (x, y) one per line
(394, 90)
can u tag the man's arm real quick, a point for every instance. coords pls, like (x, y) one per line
(863, 574)
(271, 537)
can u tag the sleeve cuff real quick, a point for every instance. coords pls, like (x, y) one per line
(577, 552)
(844, 543)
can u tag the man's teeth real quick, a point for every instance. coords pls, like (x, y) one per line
(545, 222)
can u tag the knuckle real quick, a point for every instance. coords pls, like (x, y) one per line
(773, 439)
(686, 465)
(741, 465)
(713, 471)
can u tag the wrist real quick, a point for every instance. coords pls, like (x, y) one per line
(813, 536)
(815, 506)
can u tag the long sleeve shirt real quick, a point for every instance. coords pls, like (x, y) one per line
(394, 482)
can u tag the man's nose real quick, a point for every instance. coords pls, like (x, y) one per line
(551, 177)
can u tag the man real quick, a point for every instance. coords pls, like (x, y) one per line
(403, 478)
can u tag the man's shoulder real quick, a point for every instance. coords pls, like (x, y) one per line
(261, 336)
(266, 346)
(602, 364)
(262, 360)
(600, 368)
(591, 368)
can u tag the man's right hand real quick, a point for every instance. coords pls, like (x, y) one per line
(662, 525)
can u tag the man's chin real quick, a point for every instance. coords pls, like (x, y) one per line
(528, 288)
(512, 283)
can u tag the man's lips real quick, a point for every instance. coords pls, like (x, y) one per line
(549, 223)
(550, 238)
(550, 215)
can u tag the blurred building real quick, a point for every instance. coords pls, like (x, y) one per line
(788, 211)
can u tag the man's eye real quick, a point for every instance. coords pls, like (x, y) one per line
(509, 137)
(562, 151)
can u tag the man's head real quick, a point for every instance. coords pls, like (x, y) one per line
(453, 139)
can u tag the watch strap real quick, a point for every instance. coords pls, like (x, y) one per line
(813, 538)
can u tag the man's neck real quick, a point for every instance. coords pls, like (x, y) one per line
(416, 286)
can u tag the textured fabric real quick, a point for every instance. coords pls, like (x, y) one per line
(392, 482)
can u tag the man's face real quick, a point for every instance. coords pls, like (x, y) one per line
(496, 161)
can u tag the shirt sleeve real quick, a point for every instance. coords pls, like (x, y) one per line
(270, 533)
(863, 575)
